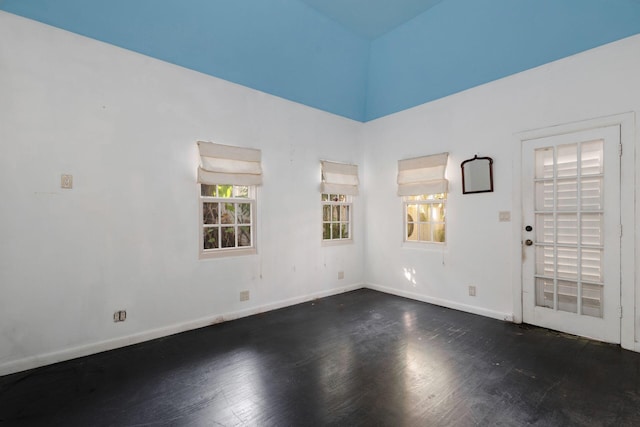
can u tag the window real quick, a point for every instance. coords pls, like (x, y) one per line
(228, 177)
(227, 219)
(336, 217)
(423, 188)
(339, 184)
(425, 218)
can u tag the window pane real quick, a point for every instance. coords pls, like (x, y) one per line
(342, 198)
(438, 233)
(592, 268)
(591, 228)
(225, 190)
(545, 261)
(567, 194)
(412, 230)
(568, 296)
(228, 237)
(326, 231)
(210, 213)
(325, 197)
(437, 212)
(345, 230)
(344, 213)
(567, 263)
(335, 231)
(544, 163)
(544, 195)
(210, 238)
(424, 214)
(412, 215)
(244, 236)
(333, 197)
(244, 213)
(592, 300)
(567, 228)
(228, 214)
(592, 158)
(544, 293)
(326, 213)
(241, 191)
(425, 232)
(544, 228)
(208, 190)
(335, 213)
(567, 161)
(591, 193)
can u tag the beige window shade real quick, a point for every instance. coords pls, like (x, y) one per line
(423, 175)
(339, 178)
(224, 164)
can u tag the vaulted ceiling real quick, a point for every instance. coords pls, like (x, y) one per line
(362, 59)
(371, 18)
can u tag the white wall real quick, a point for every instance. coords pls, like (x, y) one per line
(480, 250)
(126, 235)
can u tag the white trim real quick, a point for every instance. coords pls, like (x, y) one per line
(237, 250)
(506, 317)
(97, 347)
(630, 183)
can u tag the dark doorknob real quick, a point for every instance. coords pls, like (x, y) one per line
(528, 228)
(528, 242)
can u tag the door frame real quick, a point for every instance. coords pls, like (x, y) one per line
(630, 199)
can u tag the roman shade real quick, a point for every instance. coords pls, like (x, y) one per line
(225, 164)
(339, 178)
(423, 175)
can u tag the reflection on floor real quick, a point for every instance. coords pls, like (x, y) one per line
(360, 358)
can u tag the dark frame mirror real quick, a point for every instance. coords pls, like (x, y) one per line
(477, 175)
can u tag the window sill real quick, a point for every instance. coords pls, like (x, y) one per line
(228, 253)
(340, 242)
(424, 245)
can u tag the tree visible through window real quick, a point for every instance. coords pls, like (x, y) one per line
(227, 217)
(425, 218)
(336, 217)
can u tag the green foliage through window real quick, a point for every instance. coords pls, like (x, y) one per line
(336, 217)
(227, 217)
(425, 218)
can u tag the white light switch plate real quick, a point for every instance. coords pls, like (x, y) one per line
(66, 181)
(504, 216)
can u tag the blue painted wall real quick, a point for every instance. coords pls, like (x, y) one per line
(459, 44)
(282, 47)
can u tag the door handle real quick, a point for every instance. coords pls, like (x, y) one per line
(528, 242)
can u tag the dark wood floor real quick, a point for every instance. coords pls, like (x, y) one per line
(363, 358)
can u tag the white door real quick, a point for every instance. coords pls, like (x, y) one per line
(571, 233)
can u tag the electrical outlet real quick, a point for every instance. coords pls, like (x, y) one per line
(340, 275)
(120, 316)
(472, 291)
(244, 295)
(66, 181)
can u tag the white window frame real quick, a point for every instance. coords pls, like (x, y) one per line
(235, 250)
(341, 200)
(423, 199)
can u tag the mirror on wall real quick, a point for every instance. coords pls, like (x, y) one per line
(477, 175)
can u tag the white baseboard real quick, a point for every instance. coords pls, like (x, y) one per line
(507, 317)
(97, 347)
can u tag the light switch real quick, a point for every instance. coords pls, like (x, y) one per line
(504, 216)
(66, 181)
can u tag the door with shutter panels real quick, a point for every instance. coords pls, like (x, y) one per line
(571, 233)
